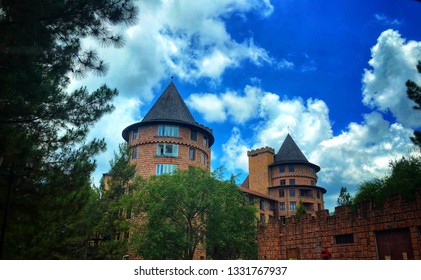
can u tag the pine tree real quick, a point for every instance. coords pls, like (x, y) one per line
(44, 124)
(344, 198)
(414, 93)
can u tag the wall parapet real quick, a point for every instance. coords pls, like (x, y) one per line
(346, 234)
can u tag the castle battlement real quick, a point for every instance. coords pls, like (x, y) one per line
(261, 151)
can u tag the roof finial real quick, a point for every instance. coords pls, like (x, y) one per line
(288, 129)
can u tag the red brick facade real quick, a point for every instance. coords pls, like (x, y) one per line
(147, 157)
(369, 233)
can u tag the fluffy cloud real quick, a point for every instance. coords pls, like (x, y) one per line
(273, 119)
(362, 152)
(238, 108)
(183, 38)
(393, 62)
(235, 153)
(110, 127)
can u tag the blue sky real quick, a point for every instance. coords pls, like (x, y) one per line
(334, 72)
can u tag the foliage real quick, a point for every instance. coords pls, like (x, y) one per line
(404, 178)
(301, 210)
(188, 208)
(414, 93)
(42, 123)
(344, 198)
(115, 207)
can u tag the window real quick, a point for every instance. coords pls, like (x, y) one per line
(282, 168)
(282, 206)
(281, 193)
(271, 206)
(203, 158)
(306, 193)
(192, 153)
(344, 239)
(168, 130)
(282, 182)
(292, 192)
(283, 220)
(291, 168)
(262, 204)
(262, 218)
(165, 168)
(167, 150)
(292, 181)
(135, 134)
(319, 206)
(205, 141)
(134, 153)
(193, 135)
(293, 206)
(318, 194)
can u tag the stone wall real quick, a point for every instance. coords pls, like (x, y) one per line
(355, 235)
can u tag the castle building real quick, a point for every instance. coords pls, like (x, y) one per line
(279, 182)
(168, 138)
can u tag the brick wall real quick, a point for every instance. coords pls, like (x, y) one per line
(259, 160)
(148, 140)
(346, 234)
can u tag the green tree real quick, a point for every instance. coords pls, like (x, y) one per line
(404, 178)
(414, 93)
(344, 198)
(301, 210)
(42, 123)
(189, 208)
(115, 207)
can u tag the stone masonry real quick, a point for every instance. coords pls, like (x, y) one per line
(349, 235)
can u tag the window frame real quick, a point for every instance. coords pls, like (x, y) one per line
(163, 168)
(168, 130)
(193, 132)
(163, 152)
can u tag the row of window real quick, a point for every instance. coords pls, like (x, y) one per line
(291, 168)
(172, 131)
(292, 182)
(282, 206)
(171, 150)
(303, 193)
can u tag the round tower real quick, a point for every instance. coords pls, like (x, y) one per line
(168, 138)
(293, 179)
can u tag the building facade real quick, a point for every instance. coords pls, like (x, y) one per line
(280, 182)
(168, 138)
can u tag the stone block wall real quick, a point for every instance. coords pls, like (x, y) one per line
(346, 234)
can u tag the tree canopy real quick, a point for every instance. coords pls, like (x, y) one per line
(414, 93)
(404, 178)
(187, 209)
(44, 124)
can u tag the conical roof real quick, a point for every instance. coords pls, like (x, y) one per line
(291, 153)
(170, 107)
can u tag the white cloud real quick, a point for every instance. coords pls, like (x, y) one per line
(393, 62)
(110, 128)
(209, 105)
(385, 20)
(235, 153)
(362, 152)
(186, 39)
(240, 108)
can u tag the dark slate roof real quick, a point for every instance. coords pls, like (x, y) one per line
(291, 153)
(170, 107)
